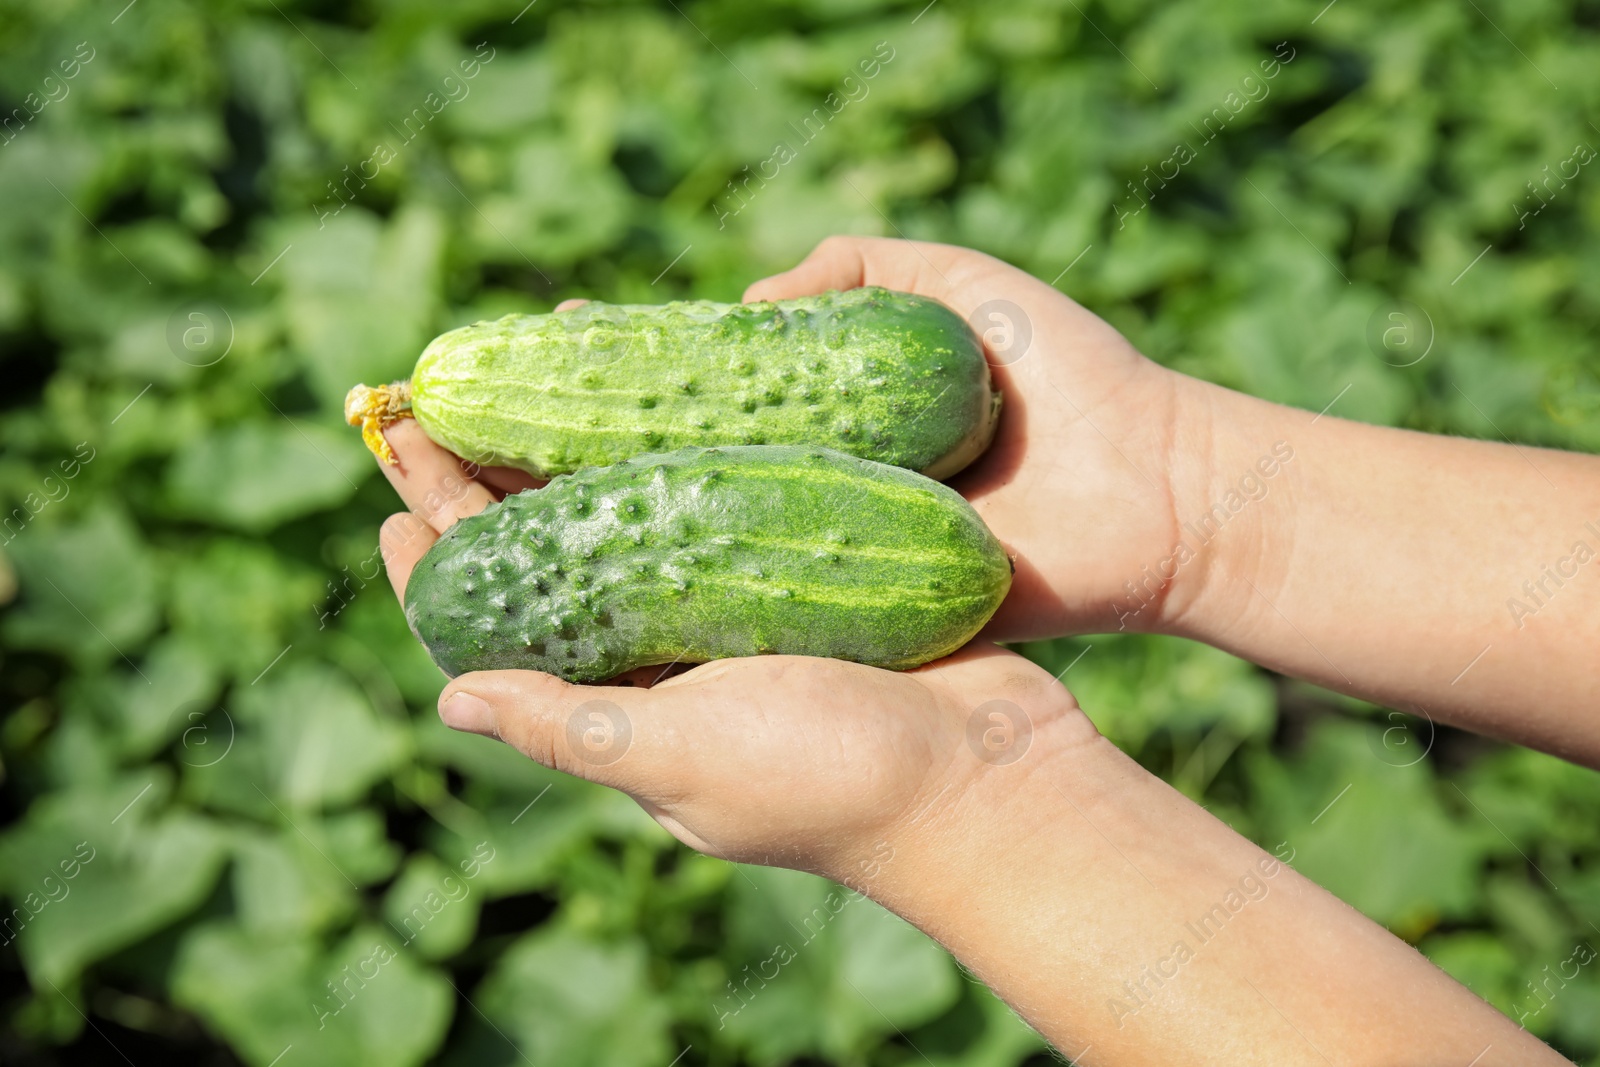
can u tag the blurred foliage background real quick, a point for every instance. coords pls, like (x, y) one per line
(236, 831)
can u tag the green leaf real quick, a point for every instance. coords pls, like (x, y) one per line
(510, 92)
(818, 969)
(92, 872)
(980, 1030)
(363, 1001)
(375, 620)
(282, 883)
(1134, 685)
(308, 739)
(1480, 961)
(1374, 833)
(1395, 157)
(238, 602)
(359, 840)
(434, 908)
(359, 296)
(529, 834)
(168, 699)
(560, 998)
(557, 205)
(90, 589)
(258, 475)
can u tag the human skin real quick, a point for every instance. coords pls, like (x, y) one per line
(1047, 861)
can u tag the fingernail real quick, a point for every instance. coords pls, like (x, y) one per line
(463, 711)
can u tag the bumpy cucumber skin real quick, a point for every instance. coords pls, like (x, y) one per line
(702, 554)
(887, 376)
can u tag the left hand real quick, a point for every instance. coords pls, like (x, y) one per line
(814, 764)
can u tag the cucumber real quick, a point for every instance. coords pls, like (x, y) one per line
(886, 376)
(705, 553)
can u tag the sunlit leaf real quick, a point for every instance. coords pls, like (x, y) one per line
(366, 1000)
(91, 872)
(90, 589)
(562, 999)
(258, 474)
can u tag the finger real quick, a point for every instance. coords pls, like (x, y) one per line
(402, 540)
(647, 677)
(844, 262)
(429, 479)
(568, 305)
(972, 660)
(968, 677)
(621, 737)
(506, 480)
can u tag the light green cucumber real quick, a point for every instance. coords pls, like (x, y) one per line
(887, 376)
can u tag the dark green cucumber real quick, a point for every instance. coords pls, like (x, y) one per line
(887, 376)
(706, 553)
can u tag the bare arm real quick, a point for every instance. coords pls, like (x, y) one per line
(1119, 918)
(1455, 578)
(1131, 927)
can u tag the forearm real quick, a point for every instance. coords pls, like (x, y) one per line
(1449, 577)
(1130, 927)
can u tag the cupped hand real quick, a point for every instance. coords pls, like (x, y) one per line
(814, 764)
(1080, 481)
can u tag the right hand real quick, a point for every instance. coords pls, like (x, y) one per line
(1093, 447)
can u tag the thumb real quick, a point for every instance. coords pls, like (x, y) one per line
(842, 262)
(613, 735)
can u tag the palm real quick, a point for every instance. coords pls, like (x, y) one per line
(824, 756)
(831, 757)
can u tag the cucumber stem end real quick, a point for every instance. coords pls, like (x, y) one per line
(374, 407)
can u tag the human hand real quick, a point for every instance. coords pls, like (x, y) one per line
(974, 799)
(1095, 443)
(814, 764)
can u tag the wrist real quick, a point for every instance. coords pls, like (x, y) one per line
(1233, 473)
(980, 814)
